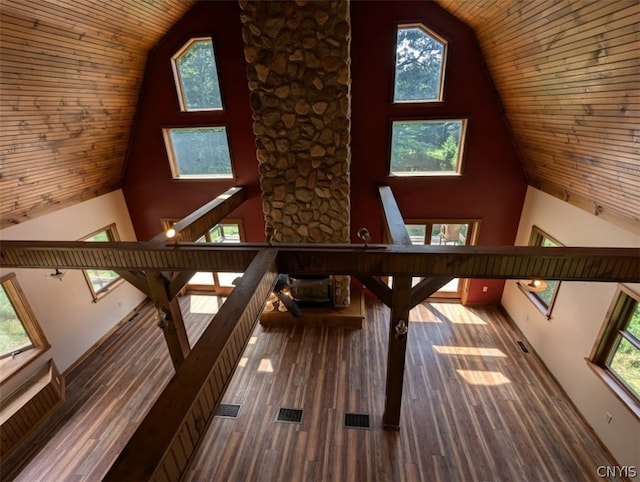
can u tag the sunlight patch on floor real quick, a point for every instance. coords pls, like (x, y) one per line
(204, 304)
(420, 314)
(468, 319)
(265, 366)
(469, 350)
(483, 377)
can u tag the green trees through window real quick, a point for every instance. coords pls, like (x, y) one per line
(21, 338)
(619, 349)
(197, 77)
(199, 152)
(545, 299)
(100, 280)
(13, 336)
(419, 65)
(426, 146)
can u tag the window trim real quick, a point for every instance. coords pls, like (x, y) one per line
(461, 149)
(11, 365)
(617, 316)
(112, 233)
(173, 161)
(536, 238)
(177, 77)
(443, 65)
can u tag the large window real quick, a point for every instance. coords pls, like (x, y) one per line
(194, 68)
(541, 292)
(618, 351)
(198, 152)
(101, 281)
(420, 58)
(21, 338)
(427, 147)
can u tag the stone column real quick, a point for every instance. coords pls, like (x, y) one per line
(297, 55)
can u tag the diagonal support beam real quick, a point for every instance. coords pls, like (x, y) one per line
(156, 449)
(377, 287)
(137, 279)
(192, 227)
(426, 288)
(196, 224)
(395, 228)
(178, 282)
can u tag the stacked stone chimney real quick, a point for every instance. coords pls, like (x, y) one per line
(297, 55)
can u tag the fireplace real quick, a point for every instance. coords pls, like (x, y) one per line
(310, 289)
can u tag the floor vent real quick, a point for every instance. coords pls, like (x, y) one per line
(356, 420)
(227, 410)
(522, 347)
(290, 415)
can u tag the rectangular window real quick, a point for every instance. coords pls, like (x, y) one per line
(618, 350)
(21, 339)
(198, 152)
(13, 335)
(427, 147)
(100, 281)
(541, 292)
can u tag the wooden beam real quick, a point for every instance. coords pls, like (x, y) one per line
(377, 287)
(191, 397)
(508, 262)
(400, 297)
(170, 317)
(426, 288)
(196, 224)
(178, 282)
(497, 262)
(394, 223)
(136, 278)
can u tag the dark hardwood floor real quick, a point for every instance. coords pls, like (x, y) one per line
(474, 407)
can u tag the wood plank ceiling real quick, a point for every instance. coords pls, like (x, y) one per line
(70, 75)
(566, 71)
(568, 75)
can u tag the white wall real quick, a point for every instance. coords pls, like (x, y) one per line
(564, 341)
(70, 319)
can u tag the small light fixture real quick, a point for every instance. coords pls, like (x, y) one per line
(534, 285)
(171, 232)
(57, 275)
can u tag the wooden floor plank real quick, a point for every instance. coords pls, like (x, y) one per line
(474, 406)
(466, 416)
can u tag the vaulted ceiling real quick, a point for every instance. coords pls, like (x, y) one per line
(567, 73)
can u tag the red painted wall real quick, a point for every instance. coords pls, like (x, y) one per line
(149, 189)
(492, 186)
